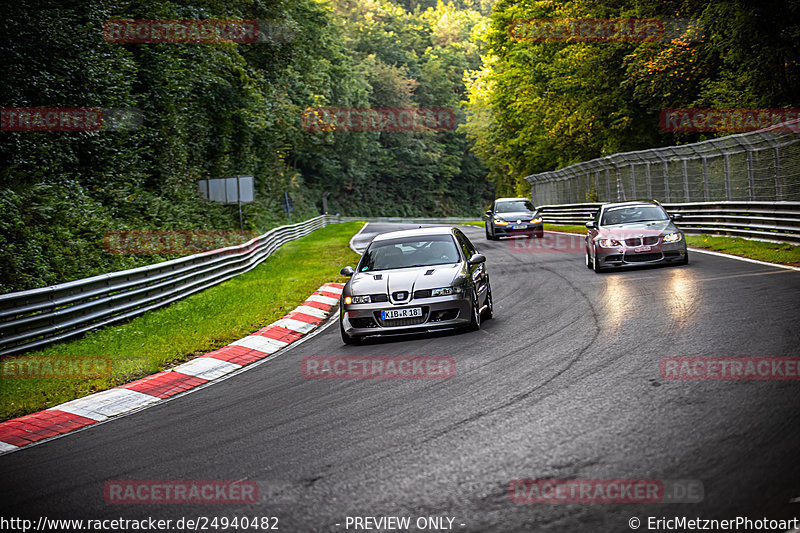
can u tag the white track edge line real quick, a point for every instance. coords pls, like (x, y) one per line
(745, 259)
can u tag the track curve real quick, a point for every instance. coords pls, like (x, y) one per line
(563, 383)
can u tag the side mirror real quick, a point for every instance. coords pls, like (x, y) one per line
(347, 271)
(477, 258)
(676, 217)
(489, 213)
(590, 225)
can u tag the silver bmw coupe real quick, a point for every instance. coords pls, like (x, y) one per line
(634, 233)
(415, 281)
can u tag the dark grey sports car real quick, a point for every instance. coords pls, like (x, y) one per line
(414, 281)
(510, 217)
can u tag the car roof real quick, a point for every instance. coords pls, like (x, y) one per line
(511, 199)
(416, 232)
(631, 204)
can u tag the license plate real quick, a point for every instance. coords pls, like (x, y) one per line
(642, 249)
(391, 314)
(519, 227)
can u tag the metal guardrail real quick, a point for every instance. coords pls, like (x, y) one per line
(757, 166)
(418, 220)
(37, 317)
(777, 221)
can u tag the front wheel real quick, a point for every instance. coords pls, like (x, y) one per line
(488, 236)
(596, 264)
(348, 339)
(489, 312)
(589, 263)
(475, 322)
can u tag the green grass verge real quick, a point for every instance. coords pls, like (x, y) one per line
(565, 228)
(200, 323)
(772, 252)
(547, 227)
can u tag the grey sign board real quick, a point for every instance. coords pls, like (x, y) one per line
(233, 190)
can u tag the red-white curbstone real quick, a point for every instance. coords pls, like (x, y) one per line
(75, 414)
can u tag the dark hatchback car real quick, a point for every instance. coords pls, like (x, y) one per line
(511, 217)
(415, 281)
(633, 233)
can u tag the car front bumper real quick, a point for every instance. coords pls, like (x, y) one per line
(439, 312)
(628, 256)
(522, 229)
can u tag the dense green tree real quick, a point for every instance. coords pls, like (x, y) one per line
(539, 105)
(219, 109)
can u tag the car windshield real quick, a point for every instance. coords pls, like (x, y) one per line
(633, 214)
(410, 252)
(513, 206)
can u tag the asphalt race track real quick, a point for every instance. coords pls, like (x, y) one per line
(563, 383)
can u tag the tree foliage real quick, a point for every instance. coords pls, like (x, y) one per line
(221, 109)
(536, 106)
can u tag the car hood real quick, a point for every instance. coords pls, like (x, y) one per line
(404, 279)
(624, 231)
(513, 217)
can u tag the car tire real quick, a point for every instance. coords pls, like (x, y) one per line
(596, 265)
(489, 312)
(488, 236)
(684, 261)
(539, 234)
(589, 263)
(475, 322)
(348, 339)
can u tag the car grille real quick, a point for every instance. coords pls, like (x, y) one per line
(642, 258)
(379, 297)
(402, 321)
(425, 293)
(639, 241)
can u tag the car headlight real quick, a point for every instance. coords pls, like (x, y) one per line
(536, 220)
(445, 291)
(500, 222)
(609, 243)
(672, 237)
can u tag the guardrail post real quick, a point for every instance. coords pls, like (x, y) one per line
(778, 188)
(597, 185)
(727, 171)
(686, 180)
